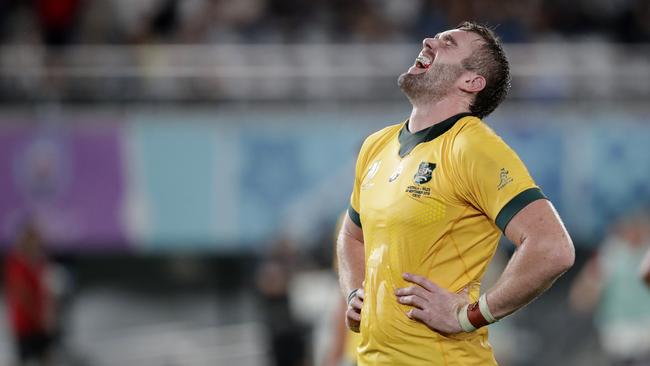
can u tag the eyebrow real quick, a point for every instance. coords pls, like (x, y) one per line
(447, 37)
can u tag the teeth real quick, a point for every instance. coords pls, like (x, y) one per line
(424, 60)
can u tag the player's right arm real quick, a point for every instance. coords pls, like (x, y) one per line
(350, 244)
(350, 252)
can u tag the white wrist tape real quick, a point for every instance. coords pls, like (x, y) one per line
(464, 321)
(352, 295)
(485, 310)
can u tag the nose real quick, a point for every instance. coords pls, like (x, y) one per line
(429, 43)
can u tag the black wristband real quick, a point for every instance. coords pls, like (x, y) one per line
(352, 294)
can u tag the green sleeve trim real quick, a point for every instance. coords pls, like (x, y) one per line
(354, 216)
(516, 204)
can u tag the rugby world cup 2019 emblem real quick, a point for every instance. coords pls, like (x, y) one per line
(424, 172)
(372, 171)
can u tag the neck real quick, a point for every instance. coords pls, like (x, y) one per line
(426, 115)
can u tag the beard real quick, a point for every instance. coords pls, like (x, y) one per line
(430, 86)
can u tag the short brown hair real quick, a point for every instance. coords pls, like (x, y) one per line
(489, 61)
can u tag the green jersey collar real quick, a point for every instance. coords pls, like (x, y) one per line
(408, 140)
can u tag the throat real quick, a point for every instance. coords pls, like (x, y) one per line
(427, 115)
(408, 139)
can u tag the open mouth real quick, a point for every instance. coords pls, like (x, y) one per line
(423, 61)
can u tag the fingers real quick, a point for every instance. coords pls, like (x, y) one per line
(422, 281)
(411, 290)
(354, 315)
(417, 314)
(353, 324)
(412, 300)
(356, 304)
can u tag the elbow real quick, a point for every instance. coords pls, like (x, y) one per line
(569, 259)
(565, 256)
(558, 256)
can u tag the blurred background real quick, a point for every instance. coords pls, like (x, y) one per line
(175, 169)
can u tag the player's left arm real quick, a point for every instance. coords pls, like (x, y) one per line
(544, 252)
(645, 268)
(490, 176)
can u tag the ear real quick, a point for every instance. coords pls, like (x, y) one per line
(472, 83)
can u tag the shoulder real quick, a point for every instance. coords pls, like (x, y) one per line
(473, 137)
(384, 134)
(471, 132)
(378, 139)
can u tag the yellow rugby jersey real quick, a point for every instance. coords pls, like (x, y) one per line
(431, 203)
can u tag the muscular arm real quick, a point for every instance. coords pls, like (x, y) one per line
(544, 252)
(350, 254)
(349, 249)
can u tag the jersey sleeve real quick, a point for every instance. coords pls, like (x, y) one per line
(491, 177)
(354, 208)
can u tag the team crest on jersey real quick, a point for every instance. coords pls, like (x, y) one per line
(424, 172)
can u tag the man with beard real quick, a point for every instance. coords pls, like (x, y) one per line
(430, 199)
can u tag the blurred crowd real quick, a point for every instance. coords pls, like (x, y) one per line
(63, 22)
(612, 287)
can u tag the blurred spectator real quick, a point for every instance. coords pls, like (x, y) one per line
(609, 282)
(58, 20)
(206, 21)
(30, 306)
(86, 75)
(286, 334)
(632, 25)
(17, 23)
(165, 20)
(645, 268)
(159, 24)
(290, 17)
(220, 21)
